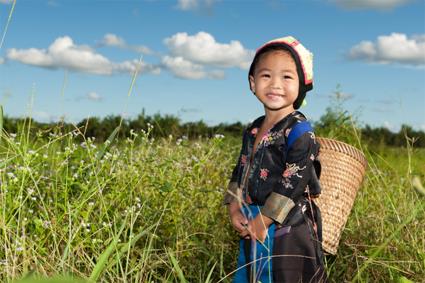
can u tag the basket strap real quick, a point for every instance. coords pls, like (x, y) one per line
(297, 131)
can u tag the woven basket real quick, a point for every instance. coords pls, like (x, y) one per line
(343, 169)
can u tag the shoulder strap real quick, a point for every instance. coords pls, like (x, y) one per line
(297, 131)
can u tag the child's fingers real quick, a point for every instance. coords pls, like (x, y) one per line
(245, 233)
(241, 227)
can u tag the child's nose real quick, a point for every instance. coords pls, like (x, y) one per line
(276, 83)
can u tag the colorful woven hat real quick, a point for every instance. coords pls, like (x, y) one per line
(303, 59)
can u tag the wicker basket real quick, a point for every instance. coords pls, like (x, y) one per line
(343, 169)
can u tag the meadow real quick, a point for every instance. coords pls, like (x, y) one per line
(145, 209)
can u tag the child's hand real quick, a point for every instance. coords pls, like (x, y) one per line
(257, 228)
(239, 221)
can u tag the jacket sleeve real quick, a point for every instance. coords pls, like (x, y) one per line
(233, 192)
(297, 174)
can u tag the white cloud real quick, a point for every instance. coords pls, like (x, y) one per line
(111, 39)
(132, 66)
(370, 4)
(184, 69)
(202, 48)
(393, 48)
(216, 74)
(63, 53)
(94, 96)
(188, 5)
(1, 60)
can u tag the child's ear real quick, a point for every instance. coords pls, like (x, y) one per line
(252, 83)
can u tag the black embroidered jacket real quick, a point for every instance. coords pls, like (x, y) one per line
(275, 176)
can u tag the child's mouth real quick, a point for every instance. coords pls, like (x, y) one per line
(274, 95)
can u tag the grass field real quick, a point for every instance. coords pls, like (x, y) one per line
(145, 210)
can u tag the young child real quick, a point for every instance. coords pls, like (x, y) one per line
(270, 193)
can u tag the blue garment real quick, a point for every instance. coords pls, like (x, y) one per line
(261, 254)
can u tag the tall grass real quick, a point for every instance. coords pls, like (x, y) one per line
(115, 213)
(146, 210)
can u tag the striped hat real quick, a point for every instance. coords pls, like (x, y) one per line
(303, 59)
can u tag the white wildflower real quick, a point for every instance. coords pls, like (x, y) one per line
(11, 175)
(46, 224)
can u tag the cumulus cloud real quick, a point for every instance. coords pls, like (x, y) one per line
(111, 39)
(1, 60)
(132, 66)
(93, 96)
(394, 48)
(188, 5)
(370, 4)
(185, 69)
(63, 53)
(202, 48)
(182, 68)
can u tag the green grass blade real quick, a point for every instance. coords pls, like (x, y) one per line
(210, 274)
(104, 257)
(1, 122)
(55, 279)
(7, 24)
(417, 184)
(177, 267)
(110, 139)
(126, 246)
(385, 244)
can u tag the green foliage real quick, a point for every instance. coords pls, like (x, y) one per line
(149, 210)
(335, 123)
(139, 204)
(62, 201)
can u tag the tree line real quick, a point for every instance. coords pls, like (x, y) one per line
(166, 125)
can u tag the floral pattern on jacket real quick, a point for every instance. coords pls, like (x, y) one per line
(273, 167)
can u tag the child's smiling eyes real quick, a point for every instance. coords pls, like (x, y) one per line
(286, 77)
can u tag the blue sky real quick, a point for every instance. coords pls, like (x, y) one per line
(75, 59)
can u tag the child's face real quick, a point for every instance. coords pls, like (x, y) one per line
(275, 81)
